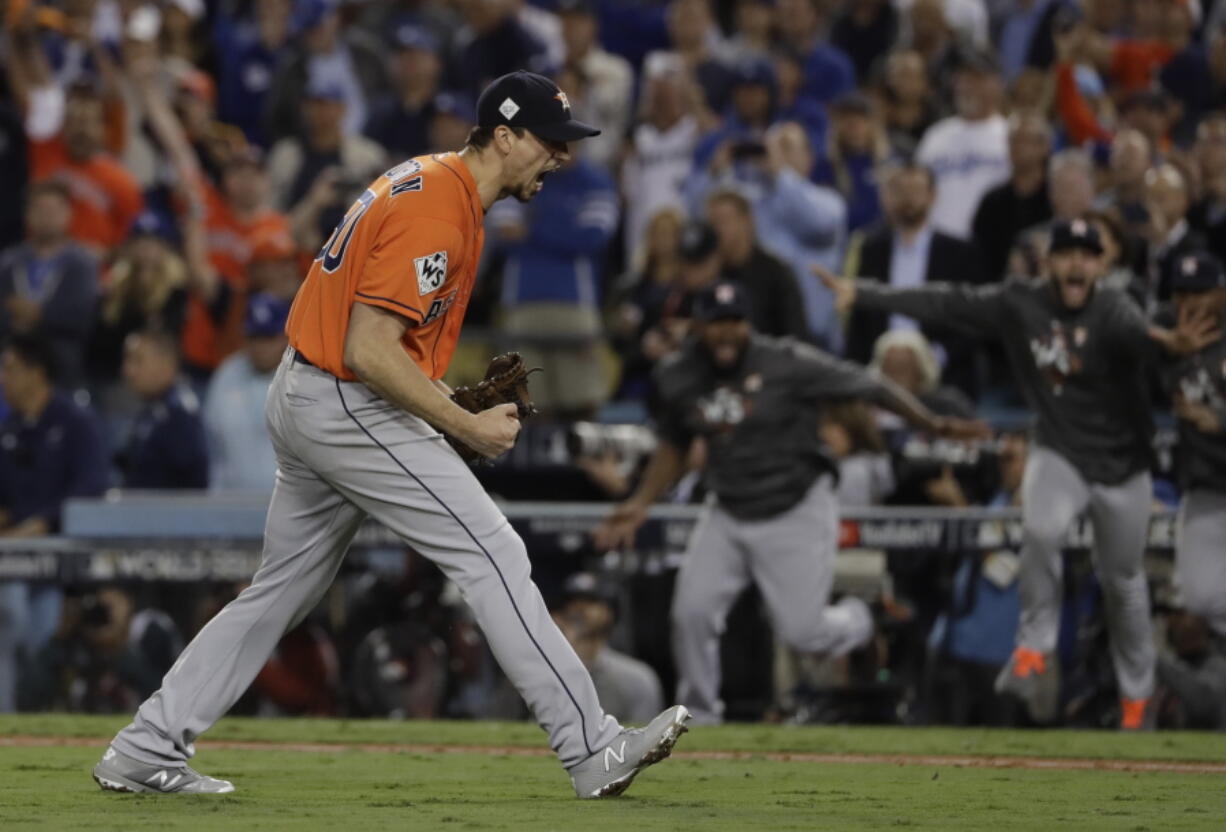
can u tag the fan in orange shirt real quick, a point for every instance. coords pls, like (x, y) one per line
(105, 197)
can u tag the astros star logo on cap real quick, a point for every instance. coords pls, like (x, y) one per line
(561, 96)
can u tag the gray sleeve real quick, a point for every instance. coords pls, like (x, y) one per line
(976, 310)
(819, 375)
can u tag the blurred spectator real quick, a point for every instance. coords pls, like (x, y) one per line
(14, 173)
(320, 167)
(195, 105)
(801, 223)
(660, 154)
(906, 357)
(609, 81)
(67, 132)
(775, 303)
(974, 638)
(1118, 255)
(1185, 76)
(1192, 669)
(865, 31)
(626, 686)
(908, 251)
(793, 104)
(667, 324)
(274, 266)
(1170, 237)
(910, 107)
(752, 96)
(752, 37)
(182, 36)
(969, 151)
(695, 40)
(856, 145)
(638, 298)
(49, 285)
(51, 449)
(1208, 215)
(1025, 38)
(866, 475)
(106, 656)
(453, 119)
(1021, 202)
(343, 60)
(399, 121)
(544, 27)
(802, 25)
(441, 18)
(149, 286)
(552, 282)
(492, 42)
(1070, 184)
(1124, 194)
(303, 675)
(166, 447)
(926, 31)
(256, 47)
(241, 455)
(967, 19)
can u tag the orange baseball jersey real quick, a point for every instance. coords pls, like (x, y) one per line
(409, 244)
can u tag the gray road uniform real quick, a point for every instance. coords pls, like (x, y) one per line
(772, 518)
(1200, 551)
(1083, 374)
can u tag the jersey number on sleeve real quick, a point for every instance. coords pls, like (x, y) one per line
(333, 252)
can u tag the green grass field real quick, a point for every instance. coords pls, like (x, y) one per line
(357, 789)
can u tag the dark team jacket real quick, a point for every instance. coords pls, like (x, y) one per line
(759, 418)
(1201, 379)
(1082, 371)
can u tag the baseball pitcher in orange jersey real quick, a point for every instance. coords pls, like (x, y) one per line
(357, 414)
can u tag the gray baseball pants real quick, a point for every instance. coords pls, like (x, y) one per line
(790, 557)
(1053, 495)
(1200, 556)
(344, 453)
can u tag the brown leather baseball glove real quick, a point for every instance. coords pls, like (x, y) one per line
(506, 380)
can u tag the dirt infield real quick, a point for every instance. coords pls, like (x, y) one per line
(955, 761)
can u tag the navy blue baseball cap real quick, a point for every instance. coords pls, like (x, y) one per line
(324, 89)
(266, 315)
(722, 302)
(533, 102)
(455, 104)
(1199, 272)
(1073, 234)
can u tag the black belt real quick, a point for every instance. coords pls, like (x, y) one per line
(299, 358)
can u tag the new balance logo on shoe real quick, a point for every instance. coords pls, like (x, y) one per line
(109, 755)
(619, 755)
(163, 780)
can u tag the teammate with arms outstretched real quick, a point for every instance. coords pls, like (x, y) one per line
(773, 519)
(1080, 353)
(357, 413)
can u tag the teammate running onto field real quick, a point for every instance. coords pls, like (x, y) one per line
(355, 413)
(774, 517)
(1079, 352)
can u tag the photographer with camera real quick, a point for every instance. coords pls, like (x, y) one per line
(773, 516)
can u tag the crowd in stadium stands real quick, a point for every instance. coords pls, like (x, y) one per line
(169, 169)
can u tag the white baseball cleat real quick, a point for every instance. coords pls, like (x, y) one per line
(118, 772)
(610, 771)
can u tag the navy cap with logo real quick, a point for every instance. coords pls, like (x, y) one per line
(533, 102)
(722, 302)
(1199, 272)
(1067, 235)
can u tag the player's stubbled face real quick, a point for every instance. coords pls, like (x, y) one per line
(529, 162)
(725, 340)
(1074, 272)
